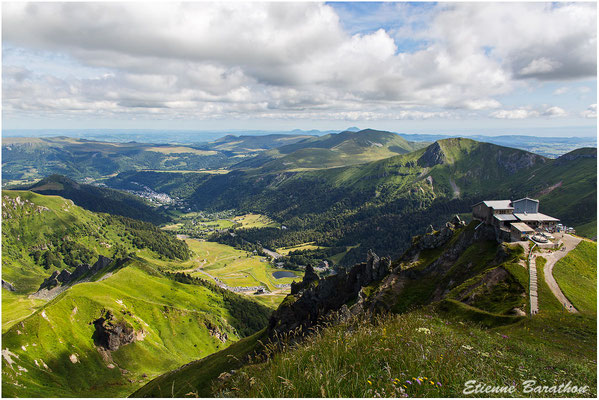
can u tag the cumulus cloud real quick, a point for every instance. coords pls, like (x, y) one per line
(590, 112)
(554, 112)
(520, 113)
(207, 60)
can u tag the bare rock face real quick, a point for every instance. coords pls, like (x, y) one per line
(66, 278)
(315, 300)
(8, 286)
(215, 332)
(433, 155)
(111, 334)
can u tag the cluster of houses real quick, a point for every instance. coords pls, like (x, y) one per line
(514, 220)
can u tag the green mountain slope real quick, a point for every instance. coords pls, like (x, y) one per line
(174, 323)
(99, 199)
(395, 197)
(55, 348)
(244, 143)
(332, 150)
(43, 234)
(566, 187)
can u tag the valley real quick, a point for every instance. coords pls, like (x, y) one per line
(290, 200)
(192, 266)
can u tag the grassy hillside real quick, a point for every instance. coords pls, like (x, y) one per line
(41, 234)
(576, 275)
(50, 348)
(99, 199)
(433, 350)
(172, 321)
(566, 188)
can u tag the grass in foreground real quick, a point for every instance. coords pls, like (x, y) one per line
(576, 275)
(418, 354)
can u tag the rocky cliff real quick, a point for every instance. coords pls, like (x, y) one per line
(65, 277)
(427, 272)
(111, 334)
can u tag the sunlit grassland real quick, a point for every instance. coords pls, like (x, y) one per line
(576, 275)
(171, 316)
(16, 307)
(181, 150)
(303, 246)
(548, 303)
(337, 257)
(234, 267)
(255, 221)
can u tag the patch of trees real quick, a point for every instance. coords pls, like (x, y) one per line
(145, 235)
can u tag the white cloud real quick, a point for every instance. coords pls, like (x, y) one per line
(218, 59)
(590, 112)
(539, 66)
(555, 112)
(520, 113)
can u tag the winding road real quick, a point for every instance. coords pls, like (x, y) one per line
(570, 242)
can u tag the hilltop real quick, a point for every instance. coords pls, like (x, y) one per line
(119, 318)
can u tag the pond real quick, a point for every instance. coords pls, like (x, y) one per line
(283, 274)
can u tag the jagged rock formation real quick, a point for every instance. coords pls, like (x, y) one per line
(8, 286)
(67, 278)
(378, 285)
(433, 155)
(111, 334)
(215, 332)
(311, 301)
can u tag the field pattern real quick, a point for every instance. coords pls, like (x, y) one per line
(233, 267)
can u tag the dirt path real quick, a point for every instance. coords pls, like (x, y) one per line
(570, 242)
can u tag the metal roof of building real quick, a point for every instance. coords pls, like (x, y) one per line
(505, 217)
(526, 198)
(535, 217)
(499, 204)
(522, 227)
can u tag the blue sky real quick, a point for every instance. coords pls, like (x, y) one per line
(478, 68)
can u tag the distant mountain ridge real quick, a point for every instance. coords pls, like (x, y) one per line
(333, 150)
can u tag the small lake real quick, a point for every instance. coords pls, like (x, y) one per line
(283, 274)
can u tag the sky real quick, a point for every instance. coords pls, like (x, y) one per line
(479, 68)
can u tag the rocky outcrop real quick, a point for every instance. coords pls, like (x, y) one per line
(111, 334)
(377, 285)
(8, 286)
(433, 239)
(433, 155)
(313, 301)
(515, 161)
(215, 332)
(65, 277)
